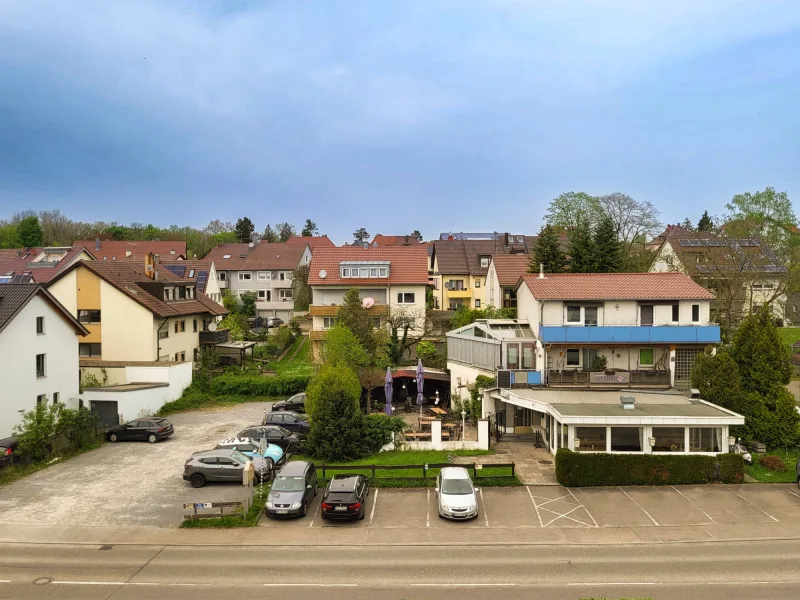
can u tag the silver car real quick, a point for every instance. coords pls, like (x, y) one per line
(456, 497)
(222, 465)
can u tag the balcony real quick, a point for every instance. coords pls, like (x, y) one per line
(379, 310)
(317, 335)
(647, 334)
(467, 293)
(611, 379)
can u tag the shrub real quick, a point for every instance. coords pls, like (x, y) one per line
(253, 385)
(377, 431)
(576, 469)
(336, 420)
(331, 378)
(430, 355)
(282, 337)
(772, 463)
(53, 424)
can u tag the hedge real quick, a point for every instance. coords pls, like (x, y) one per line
(585, 469)
(254, 385)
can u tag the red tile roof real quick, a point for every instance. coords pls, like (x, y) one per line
(317, 241)
(263, 256)
(615, 286)
(21, 260)
(395, 240)
(510, 267)
(138, 249)
(407, 265)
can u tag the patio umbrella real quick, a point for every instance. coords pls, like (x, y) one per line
(420, 384)
(387, 388)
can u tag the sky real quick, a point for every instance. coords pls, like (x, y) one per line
(393, 115)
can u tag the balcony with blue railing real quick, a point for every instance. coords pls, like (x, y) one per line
(630, 334)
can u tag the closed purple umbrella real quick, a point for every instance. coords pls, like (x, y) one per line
(420, 384)
(387, 388)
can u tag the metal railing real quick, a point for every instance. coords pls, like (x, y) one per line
(423, 469)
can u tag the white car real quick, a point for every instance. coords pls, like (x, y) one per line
(456, 497)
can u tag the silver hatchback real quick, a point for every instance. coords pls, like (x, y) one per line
(456, 497)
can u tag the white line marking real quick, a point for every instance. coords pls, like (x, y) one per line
(462, 584)
(617, 583)
(708, 516)
(428, 511)
(564, 516)
(793, 494)
(534, 506)
(5, 581)
(483, 506)
(374, 504)
(584, 508)
(122, 583)
(87, 583)
(649, 516)
(314, 518)
(761, 509)
(332, 585)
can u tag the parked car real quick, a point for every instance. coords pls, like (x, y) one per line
(456, 497)
(152, 429)
(8, 451)
(222, 465)
(296, 404)
(797, 470)
(294, 422)
(345, 497)
(294, 487)
(274, 434)
(274, 322)
(272, 453)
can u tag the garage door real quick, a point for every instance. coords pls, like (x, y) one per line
(106, 410)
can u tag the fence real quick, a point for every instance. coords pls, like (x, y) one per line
(223, 509)
(423, 469)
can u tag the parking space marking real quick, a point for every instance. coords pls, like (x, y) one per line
(708, 516)
(428, 511)
(649, 516)
(584, 508)
(559, 515)
(534, 506)
(314, 518)
(761, 509)
(374, 504)
(485, 514)
(793, 494)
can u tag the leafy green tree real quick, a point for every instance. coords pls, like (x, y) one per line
(465, 315)
(285, 231)
(361, 235)
(357, 319)
(608, 258)
(687, 224)
(301, 289)
(430, 355)
(270, 235)
(705, 223)
(582, 251)
(244, 230)
(30, 232)
(717, 377)
(37, 430)
(761, 355)
(547, 251)
(230, 302)
(332, 399)
(9, 236)
(342, 347)
(417, 235)
(571, 209)
(309, 229)
(205, 363)
(248, 300)
(117, 232)
(766, 214)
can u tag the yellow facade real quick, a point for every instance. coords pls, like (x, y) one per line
(88, 298)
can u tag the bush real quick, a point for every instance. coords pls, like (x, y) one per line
(253, 385)
(772, 463)
(329, 379)
(430, 355)
(577, 469)
(336, 420)
(282, 337)
(50, 425)
(377, 431)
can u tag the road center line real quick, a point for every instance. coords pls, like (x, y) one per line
(758, 507)
(708, 516)
(325, 585)
(428, 510)
(649, 516)
(534, 506)
(374, 504)
(483, 505)
(446, 585)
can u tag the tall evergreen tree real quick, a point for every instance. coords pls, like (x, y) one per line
(581, 248)
(361, 235)
(30, 232)
(244, 230)
(309, 229)
(705, 223)
(547, 251)
(270, 235)
(608, 258)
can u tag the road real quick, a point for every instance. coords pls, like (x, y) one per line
(712, 571)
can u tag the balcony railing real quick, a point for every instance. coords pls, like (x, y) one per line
(609, 378)
(458, 293)
(631, 334)
(518, 378)
(318, 310)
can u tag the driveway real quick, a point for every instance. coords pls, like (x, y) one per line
(128, 483)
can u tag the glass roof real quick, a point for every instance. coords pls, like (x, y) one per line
(498, 329)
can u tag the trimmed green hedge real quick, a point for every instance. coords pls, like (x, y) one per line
(254, 385)
(585, 469)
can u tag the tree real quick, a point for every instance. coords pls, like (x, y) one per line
(547, 251)
(244, 230)
(309, 229)
(270, 236)
(634, 220)
(248, 300)
(717, 377)
(205, 363)
(581, 248)
(766, 214)
(36, 431)
(417, 235)
(9, 236)
(301, 291)
(570, 209)
(687, 224)
(361, 235)
(332, 399)
(607, 246)
(216, 227)
(117, 232)
(430, 355)
(285, 231)
(229, 301)
(705, 223)
(30, 232)
(342, 347)
(357, 319)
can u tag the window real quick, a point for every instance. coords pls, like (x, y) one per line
(221, 275)
(512, 356)
(285, 294)
(455, 284)
(163, 334)
(245, 276)
(668, 439)
(194, 325)
(263, 275)
(590, 316)
(528, 356)
(676, 313)
(287, 276)
(328, 322)
(176, 327)
(40, 325)
(89, 316)
(573, 357)
(592, 439)
(484, 262)
(183, 356)
(168, 294)
(183, 326)
(264, 295)
(190, 292)
(383, 272)
(55, 397)
(647, 314)
(573, 314)
(376, 322)
(41, 399)
(477, 303)
(90, 350)
(695, 313)
(626, 439)
(405, 298)
(705, 439)
(40, 365)
(191, 273)
(646, 357)
(373, 272)
(345, 272)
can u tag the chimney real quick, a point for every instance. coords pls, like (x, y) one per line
(150, 265)
(628, 401)
(156, 260)
(97, 244)
(173, 250)
(541, 270)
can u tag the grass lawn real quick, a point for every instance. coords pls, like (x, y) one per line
(196, 400)
(401, 478)
(295, 364)
(763, 475)
(789, 335)
(250, 520)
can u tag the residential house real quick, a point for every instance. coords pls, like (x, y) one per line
(391, 280)
(263, 269)
(39, 265)
(459, 267)
(313, 242)
(134, 250)
(135, 312)
(39, 351)
(202, 272)
(743, 273)
(502, 278)
(395, 240)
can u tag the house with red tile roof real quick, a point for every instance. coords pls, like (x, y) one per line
(395, 240)
(39, 265)
(134, 250)
(502, 278)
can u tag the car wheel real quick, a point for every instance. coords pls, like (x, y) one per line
(112, 438)
(152, 438)
(197, 480)
(270, 463)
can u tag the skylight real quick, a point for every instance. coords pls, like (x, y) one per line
(226, 256)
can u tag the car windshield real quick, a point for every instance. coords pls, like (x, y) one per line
(341, 497)
(456, 486)
(283, 431)
(288, 484)
(240, 457)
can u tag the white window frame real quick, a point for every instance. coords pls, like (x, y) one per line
(383, 271)
(241, 291)
(221, 276)
(265, 297)
(346, 272)
(566, 357)
(364, 272)
(264, 276)
(373, 272)
(477, 303)
(328, 322)
(245, 276)
(191, 273)
(401, 297)
(580, 315)
(484, 262)
(286, 294)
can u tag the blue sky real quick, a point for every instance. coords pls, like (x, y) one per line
(393, 115)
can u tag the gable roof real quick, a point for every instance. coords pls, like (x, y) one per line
(510, 267)
(407, 265)
(127, 277)
(23, 266)
(262, 256)
(462, 257)
(15, 296)
(191, 270)
(395, 240)
(313, 241)
(615, 286)
(115, 250)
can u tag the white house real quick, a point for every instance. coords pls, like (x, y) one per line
(38, 350)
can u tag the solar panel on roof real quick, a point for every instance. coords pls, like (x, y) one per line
(202, 279)
(683, 243)
(178, 270)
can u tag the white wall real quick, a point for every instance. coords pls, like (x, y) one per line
(494, 294)
(179, 377)
(19, 345)
(467, 375)
(528, 307)
(126, 328)
(183, 341)
(66, 291)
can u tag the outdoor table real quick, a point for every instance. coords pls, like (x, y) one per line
(417, 435)
(438, 411)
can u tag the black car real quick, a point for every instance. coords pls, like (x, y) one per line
(292, 421)
(151, 429)
(8, 451)
(296, 403)
(275, 435)
(345, 497)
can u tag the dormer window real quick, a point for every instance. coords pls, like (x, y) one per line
(190, 292)
(226, 256)
(367, 270)
(168, 294)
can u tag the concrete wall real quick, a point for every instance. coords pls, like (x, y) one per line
(183, 341)
(467, 375)
(528, 308)
(65, 291)
(106, 375)
(179, 377)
